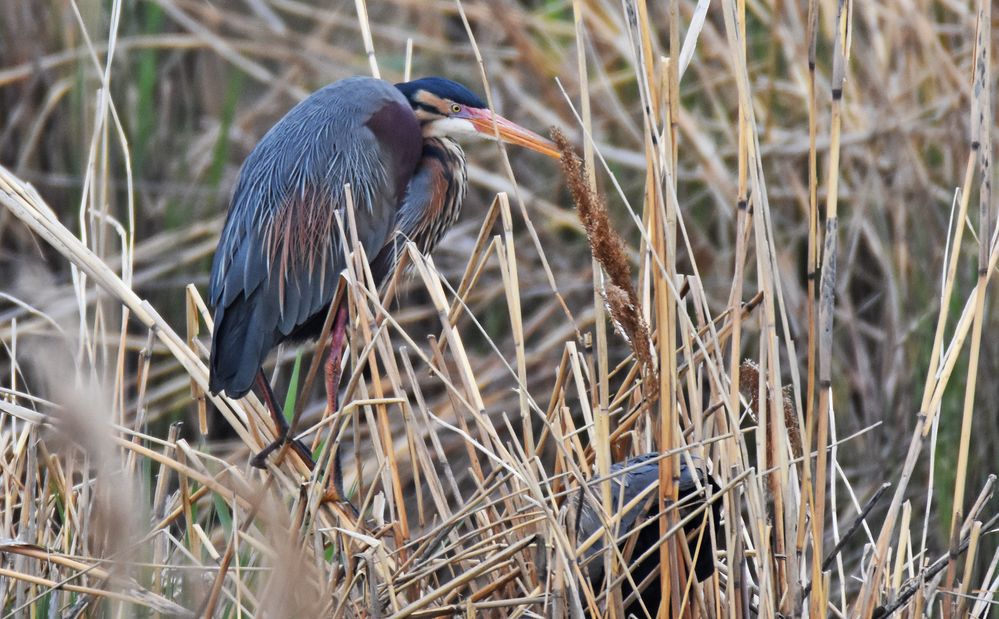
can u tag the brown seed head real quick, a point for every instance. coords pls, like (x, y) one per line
(609, 250)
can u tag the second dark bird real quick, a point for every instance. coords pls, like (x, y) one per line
(639, 524)
(279, 258)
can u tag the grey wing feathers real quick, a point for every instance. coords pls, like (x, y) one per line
(627, 486)
(279, 258)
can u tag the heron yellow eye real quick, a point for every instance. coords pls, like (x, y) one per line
(455, 108)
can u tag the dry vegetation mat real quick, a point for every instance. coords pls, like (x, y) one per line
(766, 259)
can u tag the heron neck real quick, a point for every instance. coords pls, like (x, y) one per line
(434, 204)
(444, 148)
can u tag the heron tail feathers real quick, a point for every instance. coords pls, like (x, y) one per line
(241, 339)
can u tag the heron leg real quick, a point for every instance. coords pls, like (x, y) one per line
(283, 429)
(333, 372)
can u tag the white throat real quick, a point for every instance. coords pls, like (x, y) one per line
(449, 127)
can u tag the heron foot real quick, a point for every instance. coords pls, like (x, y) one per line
(260, 460)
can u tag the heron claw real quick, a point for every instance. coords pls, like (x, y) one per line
(260, 460)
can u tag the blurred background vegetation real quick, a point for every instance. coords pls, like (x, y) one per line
(197, 83)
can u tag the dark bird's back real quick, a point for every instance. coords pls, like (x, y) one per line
(625, 487)
(276, 267)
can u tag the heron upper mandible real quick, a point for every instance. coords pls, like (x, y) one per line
(279, 258)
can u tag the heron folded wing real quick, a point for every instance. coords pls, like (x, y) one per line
(277, 264)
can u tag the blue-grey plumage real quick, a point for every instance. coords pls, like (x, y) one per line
(276, 267)
(640, 473)
(279, 257)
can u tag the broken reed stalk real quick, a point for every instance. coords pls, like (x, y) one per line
(608, 248)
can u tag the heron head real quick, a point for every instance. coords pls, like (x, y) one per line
(446, 108)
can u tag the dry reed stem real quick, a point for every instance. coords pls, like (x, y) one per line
(434, 425)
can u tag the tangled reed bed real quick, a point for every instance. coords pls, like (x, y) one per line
(792, 191)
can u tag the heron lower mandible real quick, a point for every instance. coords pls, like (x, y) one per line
(279, 258)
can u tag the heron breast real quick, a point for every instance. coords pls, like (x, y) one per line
(447, 180)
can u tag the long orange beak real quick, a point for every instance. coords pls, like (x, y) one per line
(489, 124)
